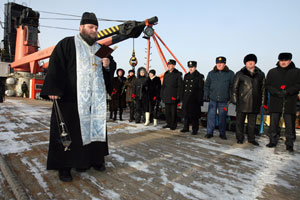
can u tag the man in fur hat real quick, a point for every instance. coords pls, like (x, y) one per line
(78, 80)
(247, 95)
(283, 83)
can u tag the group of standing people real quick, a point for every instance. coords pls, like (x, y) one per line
(248, 89)
(78, 81)
(140, 93)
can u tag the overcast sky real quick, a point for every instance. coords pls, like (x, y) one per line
(197, 30)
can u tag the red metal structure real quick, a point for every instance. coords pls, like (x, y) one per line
(27, 56)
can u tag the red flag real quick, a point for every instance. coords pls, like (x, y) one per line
(154, 98)
(173, 98)
(225, 109)
(266, 107)
(178, 105)
(133, 96)
(282, 87)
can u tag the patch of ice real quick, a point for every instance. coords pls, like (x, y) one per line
(140, 166)
(109, 194)
(9, 144)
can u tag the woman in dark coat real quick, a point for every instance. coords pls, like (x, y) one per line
(154, 86)
(140, 94)
(129, 86)
(118, 94)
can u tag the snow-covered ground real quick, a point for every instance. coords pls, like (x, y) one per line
(151, 162)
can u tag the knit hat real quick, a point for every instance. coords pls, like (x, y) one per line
(152, 71)
(89, 18)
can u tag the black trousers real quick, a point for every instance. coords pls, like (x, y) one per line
(194, 122)
(273, 130)
(240, 121)
(171, 114)
(131, 110)
(139, 110)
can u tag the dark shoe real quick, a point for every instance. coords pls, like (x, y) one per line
(290, 148)
(100, 168)
(166, 126)
(194, 132)
(254, 143)
(173, 128)
(223, 137)
(209, 136)
(184, 130)
(271, 145)
(81, 169)
(65, 175)
(137, 122)
(240, 141)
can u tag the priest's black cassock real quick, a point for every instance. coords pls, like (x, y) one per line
(61, 81)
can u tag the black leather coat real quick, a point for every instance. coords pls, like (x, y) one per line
(247, 91)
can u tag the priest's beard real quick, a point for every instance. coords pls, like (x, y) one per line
(87, 37)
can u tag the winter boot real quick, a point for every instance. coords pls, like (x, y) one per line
(147, 116)
(154, 122)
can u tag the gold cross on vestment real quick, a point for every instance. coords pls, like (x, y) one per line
(95, 65)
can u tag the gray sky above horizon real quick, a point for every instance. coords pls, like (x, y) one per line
(197, 30)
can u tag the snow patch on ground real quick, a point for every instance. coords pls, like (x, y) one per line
(11, 144)
(37, 169)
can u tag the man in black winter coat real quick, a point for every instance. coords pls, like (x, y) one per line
(283, 83)
(193, 89)
(170, 94)
(247, 95)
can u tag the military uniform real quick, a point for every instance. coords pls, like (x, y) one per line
(192, 93)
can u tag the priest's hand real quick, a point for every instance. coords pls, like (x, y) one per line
(105, 62)
(52, 97)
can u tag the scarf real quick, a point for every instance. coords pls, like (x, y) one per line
(91, 92)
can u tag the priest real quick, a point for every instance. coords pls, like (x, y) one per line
(77, 81)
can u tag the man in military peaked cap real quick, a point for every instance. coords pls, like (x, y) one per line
(217, 90)
(192, 93)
